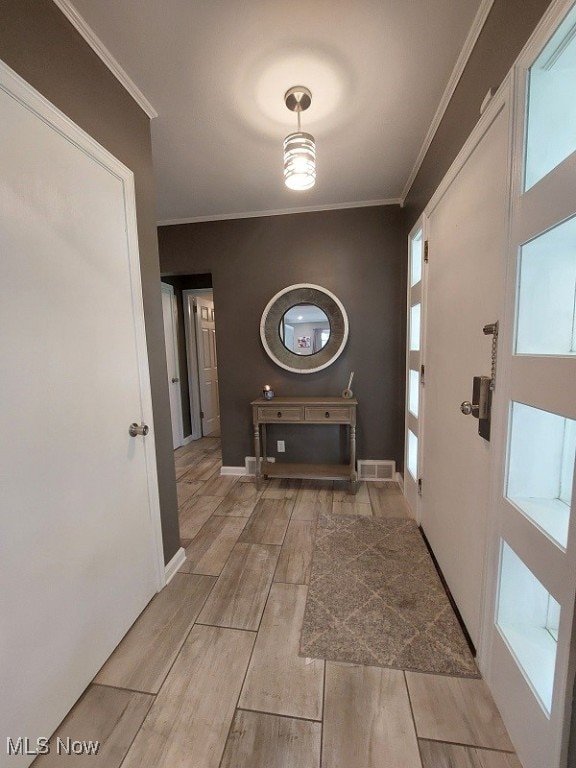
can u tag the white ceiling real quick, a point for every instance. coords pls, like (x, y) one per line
(216, 72)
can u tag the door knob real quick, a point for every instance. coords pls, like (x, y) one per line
(138, 429)
(467, 408)
(174, 380)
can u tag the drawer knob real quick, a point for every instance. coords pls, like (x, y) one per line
(279, 414)
(327, 414)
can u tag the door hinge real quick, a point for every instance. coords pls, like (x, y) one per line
(422, 372)
(426, 251)
(195, 308)
(201, 414)
(419, 486)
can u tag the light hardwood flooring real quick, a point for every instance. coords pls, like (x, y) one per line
(209, 676)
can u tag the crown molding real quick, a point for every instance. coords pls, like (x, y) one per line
(104, 54)
(280, 212)
(467, 48)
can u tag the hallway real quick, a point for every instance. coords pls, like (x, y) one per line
(209, 676)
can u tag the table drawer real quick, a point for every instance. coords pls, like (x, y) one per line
(269, 414)
(337, 415)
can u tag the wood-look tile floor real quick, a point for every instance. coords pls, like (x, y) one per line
(210, 677)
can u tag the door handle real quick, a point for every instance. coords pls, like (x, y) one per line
(480, 405)
(480, 396)
(138, 429)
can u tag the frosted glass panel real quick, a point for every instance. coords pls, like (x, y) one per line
(413, 454)
(528, 618)
(546, 322)
(541, 468)
(415, 328)
(416, 259)
(551, 132)
(413, 391)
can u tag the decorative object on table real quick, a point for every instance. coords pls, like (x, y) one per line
(347, 393)
(267, 392)
(375, 598)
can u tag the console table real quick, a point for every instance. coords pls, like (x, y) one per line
(304, 410)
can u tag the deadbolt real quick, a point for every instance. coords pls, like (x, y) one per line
(138, 429)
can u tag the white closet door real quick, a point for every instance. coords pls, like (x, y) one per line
(80, 552)
(465, 273)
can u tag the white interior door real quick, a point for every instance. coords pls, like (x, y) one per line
(529, 618)
(169, 315)
(467, 230)
(207, 365)
(80, 551)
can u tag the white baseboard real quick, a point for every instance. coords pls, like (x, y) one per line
(172, 567)
(233, 471)
(187, 440)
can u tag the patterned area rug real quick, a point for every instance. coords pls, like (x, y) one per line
(375, 598)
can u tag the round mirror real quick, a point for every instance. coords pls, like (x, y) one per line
(304, 328)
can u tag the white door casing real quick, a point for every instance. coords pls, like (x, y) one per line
(80, 537)
(188, 299)
(466, 230)
(207, 364)
(415, 356)
(169, 315)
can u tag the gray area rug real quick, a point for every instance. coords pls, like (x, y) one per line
(375, 598)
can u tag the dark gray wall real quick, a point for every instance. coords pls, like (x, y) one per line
(508, 26)
(354, 253)
(38, 42)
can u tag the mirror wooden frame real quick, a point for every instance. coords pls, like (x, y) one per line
(304, 293)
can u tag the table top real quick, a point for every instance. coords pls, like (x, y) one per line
(303, 401)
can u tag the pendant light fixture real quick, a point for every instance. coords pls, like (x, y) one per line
(299, 147)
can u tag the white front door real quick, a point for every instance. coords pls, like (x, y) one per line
(169, 315)
(207, 365)
(530, 642)
(80, 549)
(467, 237)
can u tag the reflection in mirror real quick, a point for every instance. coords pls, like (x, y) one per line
(304, 329)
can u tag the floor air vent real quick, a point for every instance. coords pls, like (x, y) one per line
(373, 469)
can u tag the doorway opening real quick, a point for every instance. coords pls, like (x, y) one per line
(196, 355)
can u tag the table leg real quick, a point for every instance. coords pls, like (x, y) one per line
(257, 455)
(353, 473)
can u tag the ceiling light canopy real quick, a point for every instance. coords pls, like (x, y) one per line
(299, 147)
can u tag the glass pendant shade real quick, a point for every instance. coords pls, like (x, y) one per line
(299, 161)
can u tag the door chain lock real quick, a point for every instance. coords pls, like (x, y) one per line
(482, 388)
